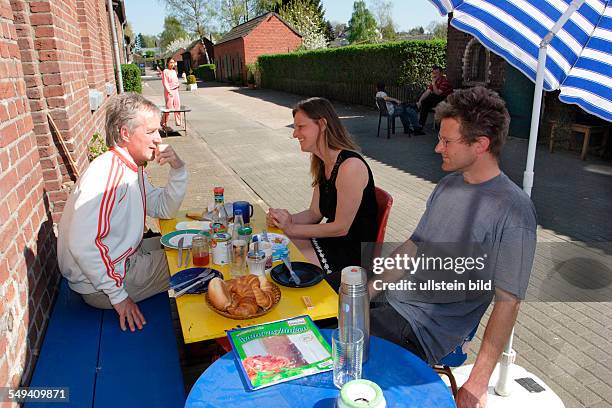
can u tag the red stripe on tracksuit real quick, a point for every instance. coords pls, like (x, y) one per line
(106, 207)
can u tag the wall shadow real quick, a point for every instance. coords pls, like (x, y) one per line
(43, 279)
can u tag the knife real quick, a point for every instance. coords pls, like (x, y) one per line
(294, 276)
(180, 251)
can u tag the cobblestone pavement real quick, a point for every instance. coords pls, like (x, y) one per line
(241, 139)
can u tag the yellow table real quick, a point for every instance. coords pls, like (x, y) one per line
(199, 322)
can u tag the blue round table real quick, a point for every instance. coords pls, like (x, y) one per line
(405, 379)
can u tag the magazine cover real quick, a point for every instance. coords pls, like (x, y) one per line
(280, 351)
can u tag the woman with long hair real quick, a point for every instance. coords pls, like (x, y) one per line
(343, 193)
(171, 93)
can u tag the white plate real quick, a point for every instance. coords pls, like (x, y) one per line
(199, 225)
(275, 238)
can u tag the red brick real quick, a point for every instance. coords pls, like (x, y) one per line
(40, 7)
(41, 19)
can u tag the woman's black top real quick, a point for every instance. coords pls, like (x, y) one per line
(335, 253)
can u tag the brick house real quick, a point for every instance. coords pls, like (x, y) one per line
(199, 52)
(266, 34)
(54, 55)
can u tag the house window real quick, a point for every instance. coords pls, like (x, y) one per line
(476, 64)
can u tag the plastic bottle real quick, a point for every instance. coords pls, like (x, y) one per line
(354, 304)
(219, 215)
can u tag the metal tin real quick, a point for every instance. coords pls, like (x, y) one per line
(220, 248)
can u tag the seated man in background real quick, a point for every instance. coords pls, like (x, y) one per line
(100, 247)
(435, 93)
(395, 107)
(476, 206)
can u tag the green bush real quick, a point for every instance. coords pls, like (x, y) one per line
(350, 73)
(96, 146)
(131, 78)
(191, 79)
(206, 72)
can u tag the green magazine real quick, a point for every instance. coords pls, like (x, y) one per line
(280, 351)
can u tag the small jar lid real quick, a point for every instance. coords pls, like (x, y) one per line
(245, 230)
(256, 255)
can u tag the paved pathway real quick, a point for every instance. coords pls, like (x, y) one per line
(241, 139)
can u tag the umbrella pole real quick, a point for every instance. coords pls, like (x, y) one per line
(502, 387)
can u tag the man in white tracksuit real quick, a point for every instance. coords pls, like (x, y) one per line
(100, 247)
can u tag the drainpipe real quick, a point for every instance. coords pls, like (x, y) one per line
(111, 15)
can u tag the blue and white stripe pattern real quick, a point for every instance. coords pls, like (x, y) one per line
(579, 58)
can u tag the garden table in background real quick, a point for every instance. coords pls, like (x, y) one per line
(183, 110)
(199, 322)
(406, 381)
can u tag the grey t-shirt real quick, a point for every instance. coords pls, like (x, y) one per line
(495, 215)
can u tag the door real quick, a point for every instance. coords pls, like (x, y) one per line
(518, 94)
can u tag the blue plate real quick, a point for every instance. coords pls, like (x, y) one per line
(308, 273)
(191, 273)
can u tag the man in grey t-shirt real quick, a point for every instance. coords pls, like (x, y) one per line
(476, 208)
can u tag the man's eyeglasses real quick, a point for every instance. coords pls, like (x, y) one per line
(445, 142)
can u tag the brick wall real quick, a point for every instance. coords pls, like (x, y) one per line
(271, 36)
(52, 52)
(227, 57)
(456, 45)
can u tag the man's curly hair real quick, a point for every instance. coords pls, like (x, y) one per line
(480, 112)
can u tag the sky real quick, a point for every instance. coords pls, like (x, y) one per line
(147, 16)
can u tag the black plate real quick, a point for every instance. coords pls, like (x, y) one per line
(309, 274)
(191, 273)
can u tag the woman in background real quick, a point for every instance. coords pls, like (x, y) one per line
(343, 193)
(171, 94)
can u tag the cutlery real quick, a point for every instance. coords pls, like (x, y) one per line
(180, 251)
(202, 275)
(182, 291)
(295, 278)
(187, 257)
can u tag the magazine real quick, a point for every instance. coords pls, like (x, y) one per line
(280, 351)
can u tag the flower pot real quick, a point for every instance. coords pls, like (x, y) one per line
(192, 87)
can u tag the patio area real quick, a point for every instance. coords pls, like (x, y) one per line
(241, 139)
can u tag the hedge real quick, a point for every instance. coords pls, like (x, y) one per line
(206, 72)
(131, 78)
(350, 73)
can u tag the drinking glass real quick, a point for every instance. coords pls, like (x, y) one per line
(199, 250)
(347, 352)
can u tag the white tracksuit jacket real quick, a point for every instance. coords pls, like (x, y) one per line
(104, 219)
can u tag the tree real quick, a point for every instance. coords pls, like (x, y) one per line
(305, 19)
(145, 41)
(416, 31)
(438, 29)
(382, 10)
(362, 25)
(233, 12)
(196, 15)
(173, 29)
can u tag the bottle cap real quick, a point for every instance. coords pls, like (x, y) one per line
(218, 190)
(245, 231)
(353, 275)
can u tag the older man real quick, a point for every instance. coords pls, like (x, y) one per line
(475, 212)
(100, 247)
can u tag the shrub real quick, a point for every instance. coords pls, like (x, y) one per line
(131, 78)
(251, 72)
(206, 72)
(350, 73)
(96, 146)
(191, 79)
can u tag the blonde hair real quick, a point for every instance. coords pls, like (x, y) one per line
(335, 137)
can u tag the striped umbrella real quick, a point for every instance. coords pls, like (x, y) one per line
(558, 44)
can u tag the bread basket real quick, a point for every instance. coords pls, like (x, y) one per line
(276, 295)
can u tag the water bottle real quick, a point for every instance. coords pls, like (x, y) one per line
(354, 304)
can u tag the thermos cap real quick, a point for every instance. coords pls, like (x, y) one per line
(353, 275)
(361, 394)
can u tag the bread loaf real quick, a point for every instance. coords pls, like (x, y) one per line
(218, 294)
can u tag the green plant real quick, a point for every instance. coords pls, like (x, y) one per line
(252, 69)
(191, 79)
(96, 146)
(131, 78)
(206, 72)
(346, 73)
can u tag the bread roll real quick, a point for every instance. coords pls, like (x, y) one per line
(218, 294)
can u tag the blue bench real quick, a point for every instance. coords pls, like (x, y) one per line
(85, 350)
